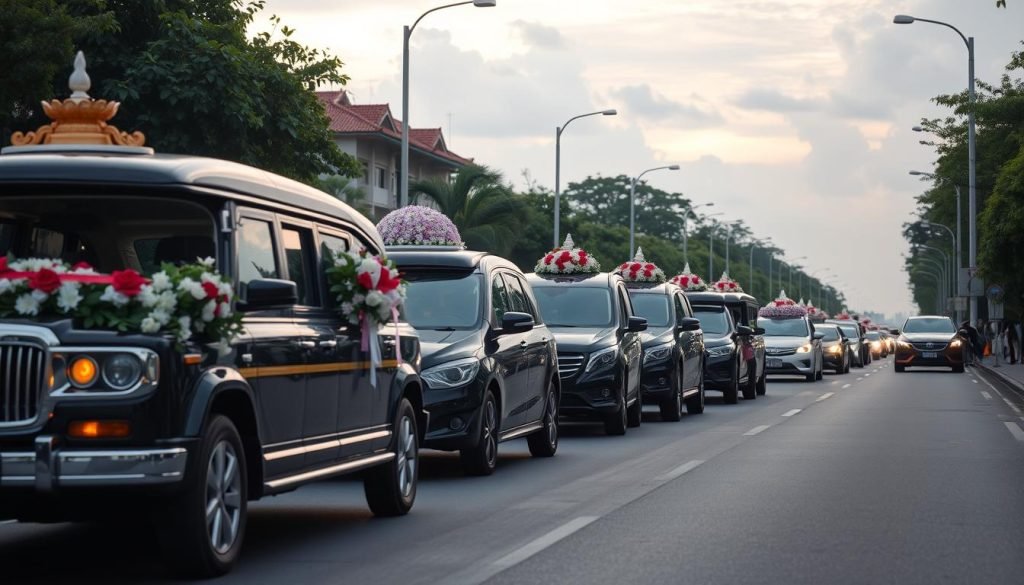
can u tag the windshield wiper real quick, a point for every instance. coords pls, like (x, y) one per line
(442, 329)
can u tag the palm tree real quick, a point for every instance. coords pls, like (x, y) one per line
(485, 211)
(345, 189)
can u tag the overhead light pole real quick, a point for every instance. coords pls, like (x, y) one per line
(958, 237)
(711, 247)
(972, 208)
(753, 245)
(403, 178)
(632, 202)
(558, 165)
(926, 224)
(686, 221)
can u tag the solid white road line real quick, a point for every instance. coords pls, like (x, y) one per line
(756, 430)
(825, 396)
(678, 471)
(535, 546)
(792, 412)
(845, 386)
(986, 395)
(1012, 405)
(1015, 430)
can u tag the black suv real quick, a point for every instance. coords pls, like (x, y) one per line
(673, 370)
(195, 434)
(729, 322)
(489, 362)
(599, 347)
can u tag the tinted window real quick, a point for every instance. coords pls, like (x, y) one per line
(713, 320)
(784, 327)
(830, 333)
(298, 244)
(517, 295)
(571, 306)
(256, 251)
(499, 298)
(443, 300)
(654, 308)
(872, 335)
(929, 325)
(330, 247)
(851, 331)
(625, 307)
(682, 307)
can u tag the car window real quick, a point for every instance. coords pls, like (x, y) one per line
(298, 254)
(443, 300)
(256, 258)
(516, 295)
(784, 327)
(653, 307)
(830, 333)
(575, 306)
(531, 303)
(713, 320)
(929, 325)
(499, 298)
(682, 308)
(625, 308)
(330, 247)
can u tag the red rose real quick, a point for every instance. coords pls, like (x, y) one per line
(211, 290)
(648, 266)
(564, 258)
(128, 282)
(3, 265)
(648, 273)
(365, 280)
(583, 258)
(82, 266)
(387, 283)
(624, 265)
(548, 259)
(45, 280)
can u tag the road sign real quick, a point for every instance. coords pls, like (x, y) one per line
(995, 292)
(970, 285)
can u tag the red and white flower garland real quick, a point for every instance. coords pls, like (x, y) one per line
(640, 270)
(726, 285)
(782, 308)
(688, 280)
(567, 260)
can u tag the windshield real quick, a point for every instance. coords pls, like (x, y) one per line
(713, 320)
(830, 333)
(653, 307)
(929, 325)
(574, 306)
(442, 300)
(851, 331)
(784, 327)
(872, 335)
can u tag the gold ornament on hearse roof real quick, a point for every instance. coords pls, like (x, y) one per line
(79, 119)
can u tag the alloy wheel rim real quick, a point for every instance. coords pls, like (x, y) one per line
(490, 446)
(407, 455)
(223, 497)
(552, 418)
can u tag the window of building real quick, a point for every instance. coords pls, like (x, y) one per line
(366, 171)
(382, 177)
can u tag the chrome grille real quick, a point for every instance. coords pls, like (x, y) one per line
(569, 364)
(930, 345)
(775, 351)
(22, 368)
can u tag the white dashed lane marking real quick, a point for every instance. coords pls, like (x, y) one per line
(793, 412)
(845, 386)
(825, 396)
(986, 395)
(678, 471)
(533, 547)
(1015, 430)
(756, 430)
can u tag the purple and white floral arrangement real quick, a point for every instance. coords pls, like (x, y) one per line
(415, 225)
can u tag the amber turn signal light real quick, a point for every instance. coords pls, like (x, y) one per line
(99, 429)
(193, 359)
(83, 371)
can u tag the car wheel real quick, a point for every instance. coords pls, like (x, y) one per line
(203, 526)
(695, 403)
(762, 384)
(391, 488)
(672, 407)
(544, 442)
(482, 458)
(899, 369)
(821, 371)
(732, 395)
(615, 423)
(750, 390)
(958, 369)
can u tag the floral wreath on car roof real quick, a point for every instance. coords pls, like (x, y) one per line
(416, 225)
(782, 308)
(726, 285)
(815, 314)
(640, 270)
(567, 260)
(688, 280)
(843, 316)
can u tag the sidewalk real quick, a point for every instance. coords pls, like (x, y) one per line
(1013, 375)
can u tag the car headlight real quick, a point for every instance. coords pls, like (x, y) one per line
(955, 343)
(836, 349)
(805, 348)
(121, 371)
(904, 345)
(451, 374)
(602, 359)
(720, 350)
(658, 352)
(99, 371)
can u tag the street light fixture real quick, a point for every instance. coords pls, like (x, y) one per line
(632, 202)
(403, 174)
(686, 221)
(558, 164)
(972, 209)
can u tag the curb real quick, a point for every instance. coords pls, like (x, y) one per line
(1015, 385)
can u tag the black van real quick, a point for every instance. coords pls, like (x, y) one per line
(726, 368)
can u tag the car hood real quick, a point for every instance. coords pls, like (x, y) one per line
(926, 337)
(659, 336)
(715, 341)
(444, 346)
(582, 339)
(785, 342)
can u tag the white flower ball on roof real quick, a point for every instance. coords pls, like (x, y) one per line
(640, 270)
(567, 260)
(416, 225)
(782, 308)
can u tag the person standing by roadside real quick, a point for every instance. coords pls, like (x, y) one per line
(1012, 342)
(974, 345)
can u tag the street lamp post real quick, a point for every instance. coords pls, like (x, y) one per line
(972, 208)
(711, 247)
(958, 237)
(940, 266)
(728, 239)
(558, 165)
(686, 221)
(947, 265)
(926, 224)
(791, 266)
(632, 204)
(403, 178)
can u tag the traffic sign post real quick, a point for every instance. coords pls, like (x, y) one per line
(995, 294)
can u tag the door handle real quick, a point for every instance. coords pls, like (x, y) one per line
(329, 343)
(305, 344)
(523, 344)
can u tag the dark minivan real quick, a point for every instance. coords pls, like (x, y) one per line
(599, 346)
(725, 335)
(176, 427)
(489, 362)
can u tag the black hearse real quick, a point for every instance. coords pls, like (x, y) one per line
(599, 347)
(729, 321)
(490, 367)
(673, 368)
(194, 434)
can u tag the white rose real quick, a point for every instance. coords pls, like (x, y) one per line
(207, 262)
(147, 296)
(149, 325)
(371, 267)
(112, 296)
(185, 326)
(26, 305)
(40, 296)
(224, 311)
(161, 281)
(167, 301)
(193, 288)
(209, 309)
(5, 285)
(161, 317)
(374, 298)
(68, 296)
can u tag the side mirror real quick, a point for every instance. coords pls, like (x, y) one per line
(758, 330)
(744, 331)
(688, 324)
(818, 335)
(636, 325)
(268, 293)
(513, 322)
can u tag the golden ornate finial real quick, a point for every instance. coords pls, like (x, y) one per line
(79, 119)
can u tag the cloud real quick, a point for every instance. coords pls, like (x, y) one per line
(539, 36)
(641, 101)
(771, 100)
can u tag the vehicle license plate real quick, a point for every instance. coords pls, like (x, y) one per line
(774, 363)
(929, 354)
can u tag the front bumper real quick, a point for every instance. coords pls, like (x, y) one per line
(834, 361)
(590, 396)
(793, 364)
(720, 372)
(49, 467)
(948, 357)
(454, 416)
(656, 380)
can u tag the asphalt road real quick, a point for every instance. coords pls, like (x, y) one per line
(871, 477)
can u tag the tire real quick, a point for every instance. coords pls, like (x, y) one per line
(732, 395)
(194, 545)
(762, 384)
(958, 369)
(750, 390)
(482, 458)
(635, 413)
(695, 403)
(544, 443)
(672, 407)
(821, 371)
(391, 488)
(615, 423)
(899, 369)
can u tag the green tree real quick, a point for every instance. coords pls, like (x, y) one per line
(344, 189)
(486, 211)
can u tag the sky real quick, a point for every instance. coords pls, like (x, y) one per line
(792, 115)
